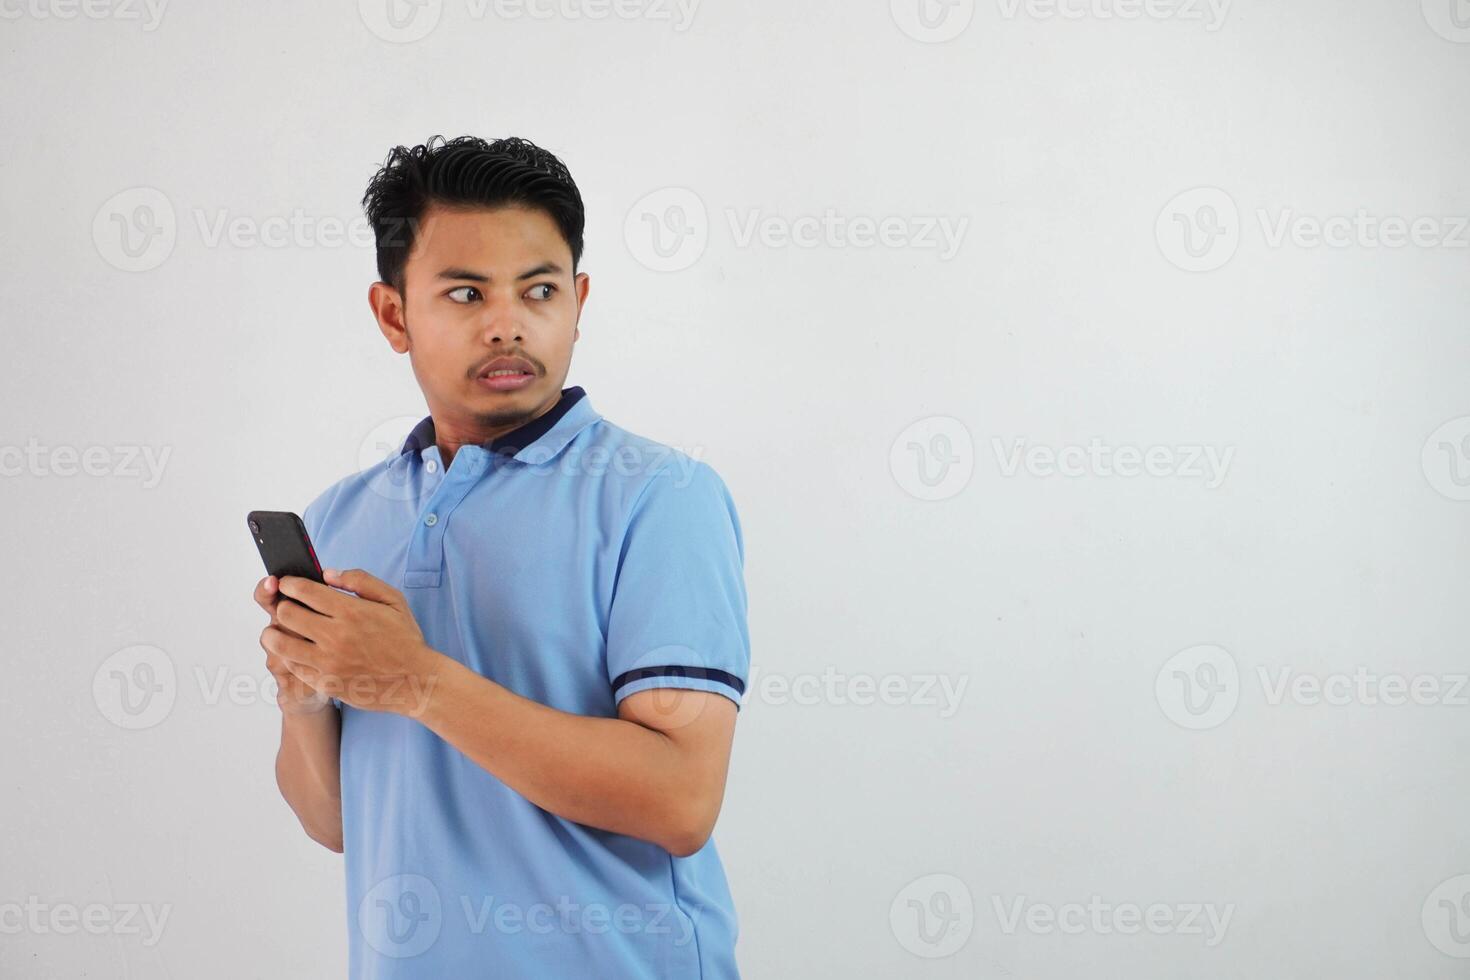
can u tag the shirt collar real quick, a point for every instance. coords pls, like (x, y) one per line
(538, 441)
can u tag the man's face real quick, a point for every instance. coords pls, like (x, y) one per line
(480, 286)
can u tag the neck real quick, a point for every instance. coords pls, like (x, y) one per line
(482, 430)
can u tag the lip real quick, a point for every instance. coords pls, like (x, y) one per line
(506, 382)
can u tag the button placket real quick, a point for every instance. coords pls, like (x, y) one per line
(426, 548)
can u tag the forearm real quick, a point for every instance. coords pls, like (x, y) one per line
(607, 773)
(308, 772)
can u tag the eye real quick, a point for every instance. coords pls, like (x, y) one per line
(542, 285)
(463, 299)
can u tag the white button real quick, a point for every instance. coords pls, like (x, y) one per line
(431, 520)
(433, 467)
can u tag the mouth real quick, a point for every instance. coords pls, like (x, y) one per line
(506, 374)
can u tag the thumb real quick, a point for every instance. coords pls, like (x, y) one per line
(365, 585)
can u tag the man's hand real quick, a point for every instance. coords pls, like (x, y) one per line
(365, 649)
(294, 695)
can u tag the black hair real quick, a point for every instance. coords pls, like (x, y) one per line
(466, 172)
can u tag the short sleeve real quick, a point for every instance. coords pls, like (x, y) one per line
(678, 617)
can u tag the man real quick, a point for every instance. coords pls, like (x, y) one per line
(513, 712)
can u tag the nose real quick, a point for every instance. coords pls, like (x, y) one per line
(502, 321)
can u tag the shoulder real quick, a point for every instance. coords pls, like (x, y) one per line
(335, 498)
(654, 474)
(668, 500)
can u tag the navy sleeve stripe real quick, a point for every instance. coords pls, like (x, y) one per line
(698, 673)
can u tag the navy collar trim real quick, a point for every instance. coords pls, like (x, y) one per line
(512, 442)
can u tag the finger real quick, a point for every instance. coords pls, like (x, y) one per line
(293, 648)
(322, 598)
(266, 593)
(366, 586)
(291, 687)
(280, 669)
(313, 678)
(302, 621)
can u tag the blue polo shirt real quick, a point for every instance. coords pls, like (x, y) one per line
(575, 563)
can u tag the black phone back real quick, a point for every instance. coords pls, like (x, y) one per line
(284, 545)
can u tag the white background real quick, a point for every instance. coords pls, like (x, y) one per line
(853, 397)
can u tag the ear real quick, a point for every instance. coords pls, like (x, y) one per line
(583, 284)
(387, 306)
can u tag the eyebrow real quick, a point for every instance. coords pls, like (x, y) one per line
(544, 269)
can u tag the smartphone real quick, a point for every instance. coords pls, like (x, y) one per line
(284, 545)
